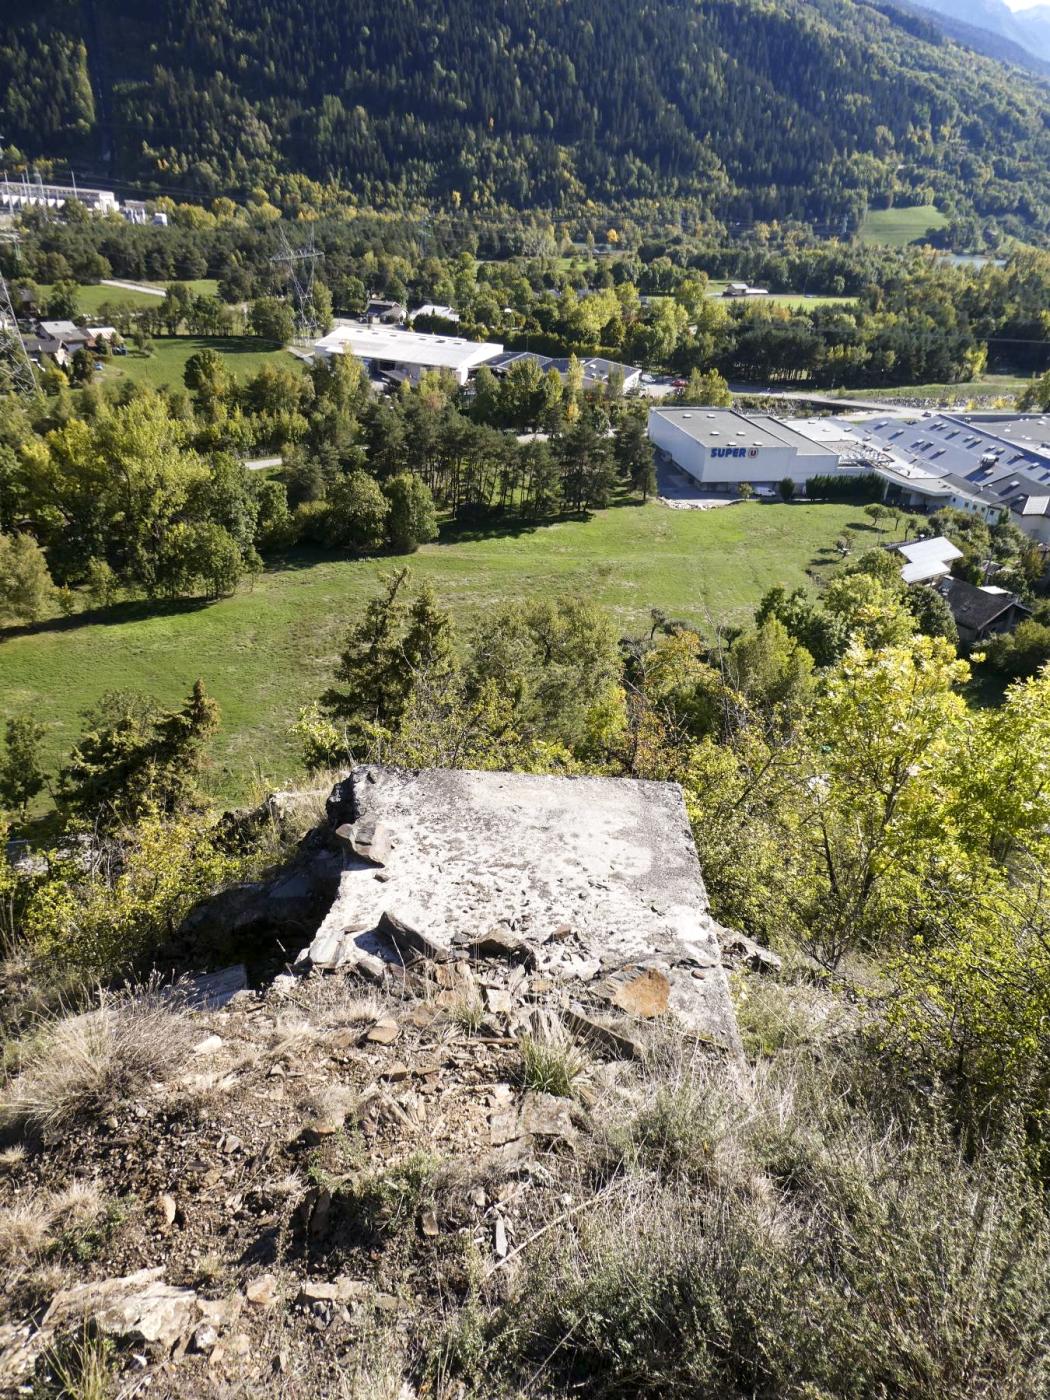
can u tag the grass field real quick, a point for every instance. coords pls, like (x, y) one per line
(1005, 386)
(91, 297)
(715, 289)
(244, 355)
(265, 653)
(899, 227)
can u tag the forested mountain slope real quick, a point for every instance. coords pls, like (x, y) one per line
(754, 110)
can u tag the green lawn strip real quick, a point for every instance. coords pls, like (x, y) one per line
(266, 652)
(988, 386)
(899, 227)
(243, 354)
(93, 295)
(717, 288)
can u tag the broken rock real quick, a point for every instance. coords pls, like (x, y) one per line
(205, 1338)
(603, 1037)
(261, 1291)
(211, 991)
(384, 1032)
(409, 940)
(340, 1290)
(140, 1307)
(368, 838)
(500, 1238)
(502, 942)
(547, 1117)
(740, 951)
(166, 1208)
(640, 991)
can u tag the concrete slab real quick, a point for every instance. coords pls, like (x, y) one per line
(594, 875)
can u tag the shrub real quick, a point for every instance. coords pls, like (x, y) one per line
(114, 917)
(382, 1202)
(1021, 653)
(820, 1251)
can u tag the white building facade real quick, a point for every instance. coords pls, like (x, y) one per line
(720, 448)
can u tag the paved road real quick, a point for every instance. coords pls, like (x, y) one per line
(133, 287)
(261, 464)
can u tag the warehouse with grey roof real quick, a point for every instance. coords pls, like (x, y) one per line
(720, 448)
(985, 463)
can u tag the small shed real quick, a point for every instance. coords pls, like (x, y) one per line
(926, 560)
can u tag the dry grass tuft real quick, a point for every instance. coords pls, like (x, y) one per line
(328, 1106)
(41, 1283)
(24, 1232)
(12, 1157)
(291, 1037)
(550, 1063)
(467, 1010)
(82, 1066)
(78, 1206)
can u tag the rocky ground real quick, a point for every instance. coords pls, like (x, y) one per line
(290, 1193)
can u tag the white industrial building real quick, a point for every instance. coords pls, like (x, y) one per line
(402, 354)
(720, 448)
(26, 193)
(989, 464)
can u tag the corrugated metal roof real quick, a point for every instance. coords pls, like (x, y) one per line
(938, 550)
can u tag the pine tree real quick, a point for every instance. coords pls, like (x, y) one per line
(397, 646)
(21, 772)
(134, 758)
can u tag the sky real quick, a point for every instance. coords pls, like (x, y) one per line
(1024, 4)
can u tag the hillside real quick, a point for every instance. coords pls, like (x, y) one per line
(996, 36)
(990, 26)
(749, 111)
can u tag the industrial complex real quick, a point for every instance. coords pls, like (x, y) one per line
(986, 463)
(21, 192)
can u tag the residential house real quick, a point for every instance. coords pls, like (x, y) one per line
(596, 372)
(981, 612)
(71, 337)
(384, 313)
(439, 313)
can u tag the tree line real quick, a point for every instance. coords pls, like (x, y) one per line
(127, 491)
(904, 318)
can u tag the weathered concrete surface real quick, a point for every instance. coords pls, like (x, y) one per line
(597, 879)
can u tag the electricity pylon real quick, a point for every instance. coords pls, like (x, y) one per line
(16, 368)
(302, 281)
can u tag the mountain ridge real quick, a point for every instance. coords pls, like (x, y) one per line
(734, 110)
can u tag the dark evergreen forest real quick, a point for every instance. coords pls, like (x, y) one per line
(742, 110)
